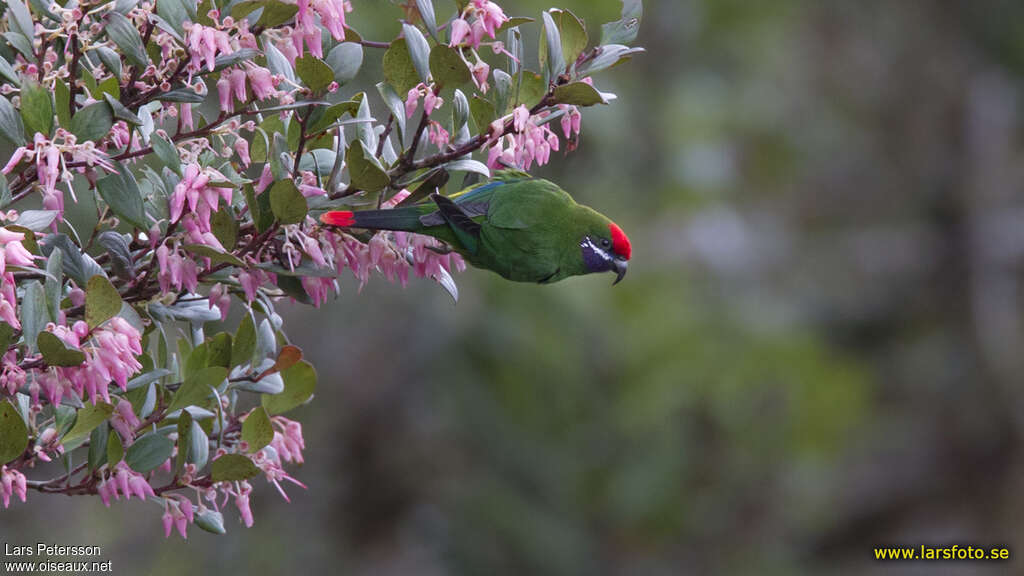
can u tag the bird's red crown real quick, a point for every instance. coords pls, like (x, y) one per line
(620, 242)
(343, 218)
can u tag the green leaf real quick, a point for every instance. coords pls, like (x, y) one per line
(197, 387)
(364, 174)
(625, 30)
(36, 108)
(56, 353)
(148, 452)
(578, 94)
(214, 254)
(293, 287)
(483, 113)
(532, 89)
(345, 59)
(299, 385)
(244, 345)
(166, 152)
(399, 70)
(13, 433)
(184, 432)
(242, 9)
(257, 431)
(115, 448)
(573, 34)
(287, 203)
(316, 74)
(332, 113)
(62, 96)
(276, 13)
(447, 67)
(11, 127)
(121, 30)
(260, 144)
(92, 122)
(6, 336)
(259, 207)
(513, 22)
(219, 350)
(232, 468)
(102, 302)
(86, 419)
(225, 227)
(33, 313)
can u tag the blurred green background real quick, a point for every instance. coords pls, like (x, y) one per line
(818, 348)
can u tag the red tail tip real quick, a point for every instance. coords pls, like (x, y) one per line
(343, 218)
(620, 242)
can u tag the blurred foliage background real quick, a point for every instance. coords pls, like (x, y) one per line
(817, 350)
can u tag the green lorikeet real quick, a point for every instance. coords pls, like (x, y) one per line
(525, 229)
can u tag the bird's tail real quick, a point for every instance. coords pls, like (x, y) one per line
(407, 219)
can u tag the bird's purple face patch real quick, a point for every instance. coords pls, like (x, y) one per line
(598, 257)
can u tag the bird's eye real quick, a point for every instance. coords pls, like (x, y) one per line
(605, 242)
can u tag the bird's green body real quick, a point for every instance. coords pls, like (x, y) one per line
(525, 229)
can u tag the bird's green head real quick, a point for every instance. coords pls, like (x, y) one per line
(605, 248)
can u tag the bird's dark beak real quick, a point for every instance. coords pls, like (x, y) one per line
(620, 270)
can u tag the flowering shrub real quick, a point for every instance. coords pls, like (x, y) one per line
(209, 134)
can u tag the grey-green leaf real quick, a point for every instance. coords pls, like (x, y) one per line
(92, 122)
(345, 59)
(121, 192)
(11, 126)
(121, 30)
(624, 31)
(419, 51)
(33, 313)
(148, 452)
